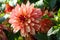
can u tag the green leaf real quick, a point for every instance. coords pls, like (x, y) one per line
(20, 38)
(50, 3)
(55, 27)
(39, 4)
(55, 36)
(2, 14)
(4, 18)
(19, 1)
(33, 1)
(41, 36)
(0, 4)
(7, 0)
(56, 18)
(2, 7)
(58, 35)
(12, 2)
(51, 31)
(45, 16)
(52, 37)
(13, 36)
(46, 3)
(59, 13)
(2, 1)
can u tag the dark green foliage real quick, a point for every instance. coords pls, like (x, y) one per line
(19, 1)
(41, 36)
(58, 35)
(33, 1)
(39, 4)
(2, 19)
(13, 36)
(50, 3)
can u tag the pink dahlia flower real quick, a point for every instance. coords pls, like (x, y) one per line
(25, 18)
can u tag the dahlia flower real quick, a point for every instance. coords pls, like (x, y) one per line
(25, 18)
(45, 24)
(8, 8)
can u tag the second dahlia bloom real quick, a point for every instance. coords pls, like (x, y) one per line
(45, 24)
(8, 8)
(25, 18)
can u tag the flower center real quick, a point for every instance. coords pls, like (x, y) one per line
(22, 18)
